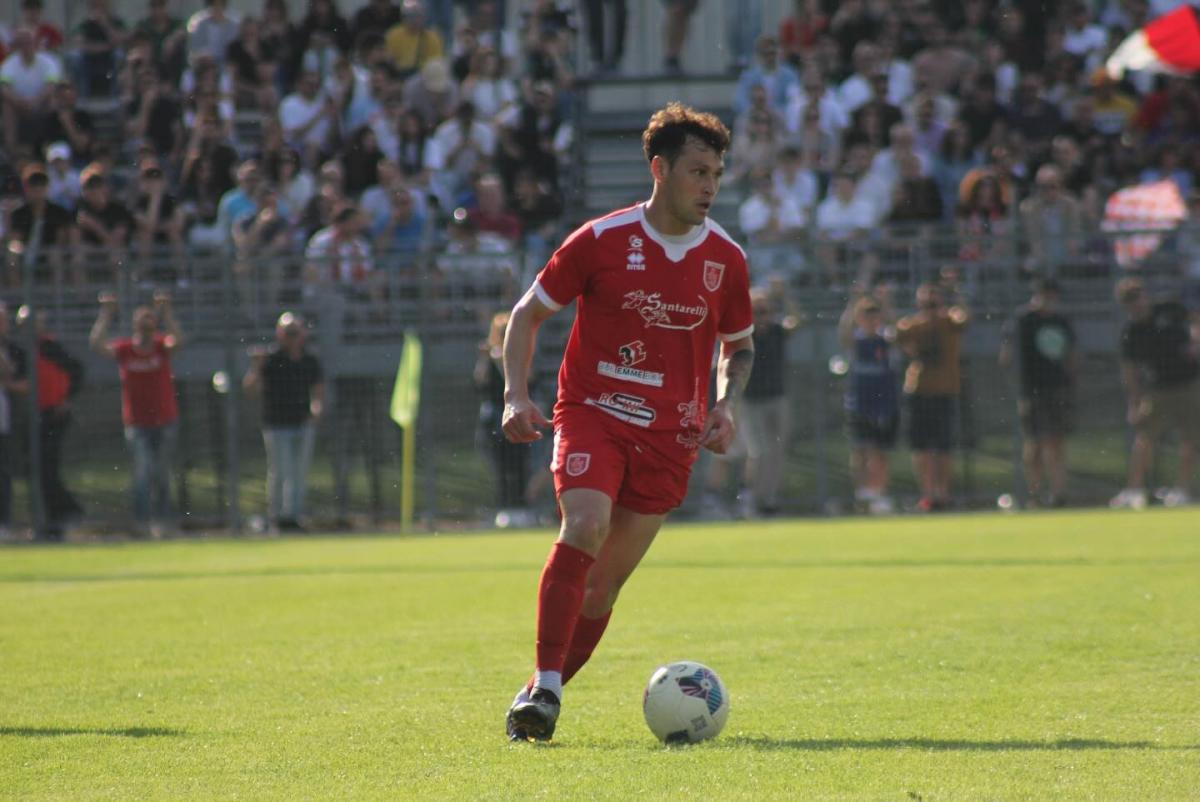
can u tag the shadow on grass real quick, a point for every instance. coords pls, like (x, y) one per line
(687, 565)
(941, 744)
(114, 732)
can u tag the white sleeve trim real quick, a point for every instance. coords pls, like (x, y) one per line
(737, 335)
(545, 298)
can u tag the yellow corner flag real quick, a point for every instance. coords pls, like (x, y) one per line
(406, 394)
(406, 399)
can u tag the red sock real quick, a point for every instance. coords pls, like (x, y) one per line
(560, 597)
(588, 632)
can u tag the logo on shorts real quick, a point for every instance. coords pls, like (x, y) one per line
(577, 464)
(660, 314)
(713, 273)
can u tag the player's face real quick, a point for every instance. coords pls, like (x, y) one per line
(692, 182)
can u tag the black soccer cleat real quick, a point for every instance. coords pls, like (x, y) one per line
(514, 732)
(535, 717)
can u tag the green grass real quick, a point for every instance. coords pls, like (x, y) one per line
(989, 657)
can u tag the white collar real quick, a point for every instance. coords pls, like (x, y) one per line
(676, 246)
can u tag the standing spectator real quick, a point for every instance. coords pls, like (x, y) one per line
(279, 37)
(212, 30)
(1047, 366)
(777, 77)
(247, 61)
(309, 118)
(1160, 368)
(157, 215)
(606, 51)
(410, 44)
(675, 31)
(764, 412)
(360, 161)
(27, 79)
(510, 461)
(932, 339)
(60, 378)
(38, 224)
(98, 40)
(1052, 222)
(872, 399)
(14, 381)
(149, 408)
(292, 386)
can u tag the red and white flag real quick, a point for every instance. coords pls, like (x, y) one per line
(1169, 44)
(1133, 215)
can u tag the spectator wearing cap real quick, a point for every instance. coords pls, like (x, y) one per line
(338, 255)
(431, 94)
(64, 179)
(38, 226)
(291, 383)
(212, 30)
(149, 410)
(1160, 369)
(309, 118)
(97, 41)
(411, 44)
(104, 226)
(27, 79)
(1042, 340)
(778, 78)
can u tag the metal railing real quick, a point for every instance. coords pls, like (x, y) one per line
(226, 307)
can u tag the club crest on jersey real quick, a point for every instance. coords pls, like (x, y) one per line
(577, 464)
(713, 273)
(661, 314)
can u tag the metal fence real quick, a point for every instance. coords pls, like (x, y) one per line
(226, 307)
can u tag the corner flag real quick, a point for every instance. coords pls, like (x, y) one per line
(406, 394)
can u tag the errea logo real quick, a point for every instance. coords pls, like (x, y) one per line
(635, 259)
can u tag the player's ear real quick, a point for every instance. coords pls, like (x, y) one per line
(659, 167)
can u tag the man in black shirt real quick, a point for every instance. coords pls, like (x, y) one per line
(1047, 363)
(38, 226)
(1160, 367)
(13, 381)
(104, 224)
(293, 396)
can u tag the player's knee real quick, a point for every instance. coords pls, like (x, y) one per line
(584, 530)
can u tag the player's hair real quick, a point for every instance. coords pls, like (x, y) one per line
(670, 127)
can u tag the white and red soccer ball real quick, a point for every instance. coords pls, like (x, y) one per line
(685, 702)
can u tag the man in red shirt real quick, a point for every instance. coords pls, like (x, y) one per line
(656, 285)
(148, 406)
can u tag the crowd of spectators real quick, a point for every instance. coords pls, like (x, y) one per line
(354, 145)
(975, 119)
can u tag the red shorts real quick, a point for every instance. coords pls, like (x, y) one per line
(644, 471)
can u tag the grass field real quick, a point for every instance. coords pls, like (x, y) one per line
(989, 657)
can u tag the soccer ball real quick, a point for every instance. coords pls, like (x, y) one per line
(685, 702)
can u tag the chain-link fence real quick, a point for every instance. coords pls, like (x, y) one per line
(357, 320)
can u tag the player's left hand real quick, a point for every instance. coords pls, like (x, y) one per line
(719, 429)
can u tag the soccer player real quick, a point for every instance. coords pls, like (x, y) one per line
(656, 285)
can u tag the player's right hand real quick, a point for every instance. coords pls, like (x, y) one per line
(521, 422)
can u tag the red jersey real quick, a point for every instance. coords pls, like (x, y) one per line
(650, 310)
(147, 384)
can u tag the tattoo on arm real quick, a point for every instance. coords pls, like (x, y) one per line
(733, 373)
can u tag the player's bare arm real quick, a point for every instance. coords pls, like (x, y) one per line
(733, 372)
(522, 418)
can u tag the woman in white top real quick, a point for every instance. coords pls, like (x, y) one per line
(486, 86)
